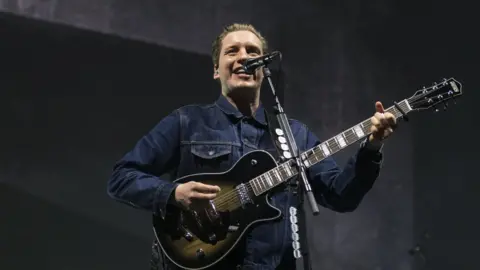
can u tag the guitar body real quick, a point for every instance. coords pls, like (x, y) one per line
(199, 238)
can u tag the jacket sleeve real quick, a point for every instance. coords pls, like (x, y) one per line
(342, 190)
(135, 179)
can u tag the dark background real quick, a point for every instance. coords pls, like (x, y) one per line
(81, 81)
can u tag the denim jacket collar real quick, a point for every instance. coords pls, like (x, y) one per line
(230, 110)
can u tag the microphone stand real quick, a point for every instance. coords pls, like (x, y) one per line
(305, 188)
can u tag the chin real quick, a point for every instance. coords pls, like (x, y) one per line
(243, 89)
(244, 85)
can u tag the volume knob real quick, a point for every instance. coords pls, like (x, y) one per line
(200, 253)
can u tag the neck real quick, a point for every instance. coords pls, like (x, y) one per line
(246, 104)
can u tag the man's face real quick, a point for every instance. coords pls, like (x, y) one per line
(236, 48)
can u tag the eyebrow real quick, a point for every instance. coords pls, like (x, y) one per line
(247, 44)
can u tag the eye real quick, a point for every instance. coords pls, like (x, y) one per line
(231, 51)
(254, 51)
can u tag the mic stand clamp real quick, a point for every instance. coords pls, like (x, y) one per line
(305, 188)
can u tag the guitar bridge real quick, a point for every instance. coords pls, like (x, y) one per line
(243, 195)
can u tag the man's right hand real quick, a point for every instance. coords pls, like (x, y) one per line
(192, 191)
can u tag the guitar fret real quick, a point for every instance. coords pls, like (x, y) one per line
(269, 179)
(265, 181)
(288, 170)
(279, 178)
(330, 143)
(349, 136)
(341, 140)
(261, 182)
(325, 150)
(334, 146)
(255, 186)
(307, 162)
(358, 131)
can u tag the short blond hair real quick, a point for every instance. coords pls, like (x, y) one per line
(217, 43)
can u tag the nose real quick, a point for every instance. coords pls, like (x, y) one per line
(242, 56)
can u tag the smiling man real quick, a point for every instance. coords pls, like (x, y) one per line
(212, 138)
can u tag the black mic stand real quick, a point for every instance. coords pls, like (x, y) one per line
(304, 187)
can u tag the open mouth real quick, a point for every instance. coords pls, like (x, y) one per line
(241, 72)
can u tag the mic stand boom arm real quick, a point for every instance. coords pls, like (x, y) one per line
(304, 186)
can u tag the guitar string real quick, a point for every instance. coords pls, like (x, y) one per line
(232, 196)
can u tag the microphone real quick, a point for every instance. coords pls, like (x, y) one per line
(252, 64)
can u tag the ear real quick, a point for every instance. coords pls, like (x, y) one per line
(215, 73)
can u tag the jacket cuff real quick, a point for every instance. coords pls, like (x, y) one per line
(373, 151)
(372, 146)
(162, 197)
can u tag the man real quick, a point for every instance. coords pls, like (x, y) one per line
(210, 138)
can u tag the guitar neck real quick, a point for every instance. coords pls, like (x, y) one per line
(285, 171)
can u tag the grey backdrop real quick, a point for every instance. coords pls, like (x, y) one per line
(83, 80)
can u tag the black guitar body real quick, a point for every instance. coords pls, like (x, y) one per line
(200, 237)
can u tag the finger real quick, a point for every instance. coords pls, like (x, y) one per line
(206, 188)
(379, 107)
(375, 125)
(381, 118)
(206, 196)
(391, 120)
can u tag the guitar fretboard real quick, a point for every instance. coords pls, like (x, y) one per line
(285, 171)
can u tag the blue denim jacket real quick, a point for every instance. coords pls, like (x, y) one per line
(210, 138)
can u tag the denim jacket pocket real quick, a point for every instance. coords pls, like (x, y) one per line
(211, 157)
(210, 150)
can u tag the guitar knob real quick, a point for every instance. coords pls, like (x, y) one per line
(212, 238)
(188, 236)
(200, 253)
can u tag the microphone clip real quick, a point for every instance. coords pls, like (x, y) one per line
(252, 64)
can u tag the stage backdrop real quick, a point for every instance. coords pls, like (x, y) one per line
(79, 91)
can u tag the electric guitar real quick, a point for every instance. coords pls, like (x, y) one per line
(201, 237)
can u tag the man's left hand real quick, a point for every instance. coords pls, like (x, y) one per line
(383, 124)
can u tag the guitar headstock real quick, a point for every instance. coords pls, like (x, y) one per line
(438, 93)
